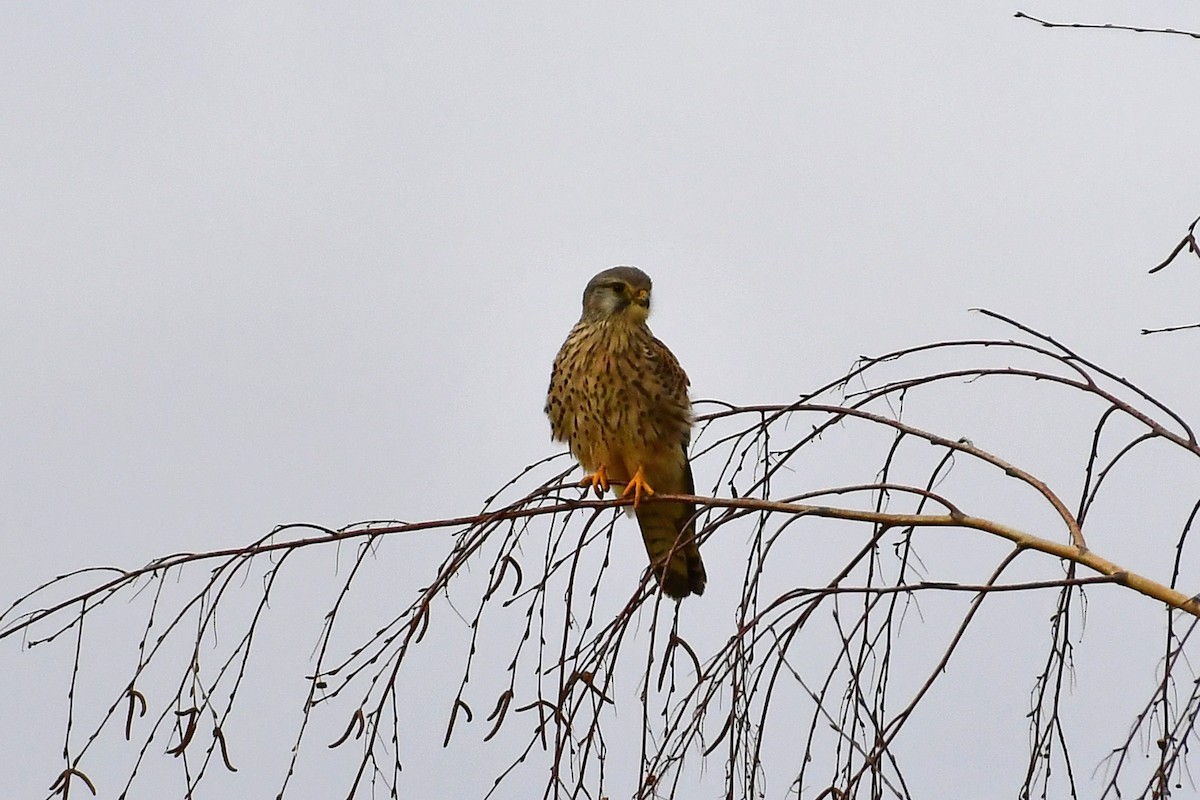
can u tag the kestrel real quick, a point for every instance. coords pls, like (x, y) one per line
(619, 398)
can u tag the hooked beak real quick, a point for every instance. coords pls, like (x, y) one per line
(642, 298)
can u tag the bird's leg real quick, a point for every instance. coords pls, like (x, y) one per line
(638, 487)
(597, 481)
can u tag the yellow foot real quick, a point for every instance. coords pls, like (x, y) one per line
(638, 487)
(598, 481)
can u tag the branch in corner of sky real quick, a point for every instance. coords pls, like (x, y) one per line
(1106, 26)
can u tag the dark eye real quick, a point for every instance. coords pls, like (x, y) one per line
(617, 287)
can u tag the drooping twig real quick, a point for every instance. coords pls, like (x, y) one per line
(575, 658)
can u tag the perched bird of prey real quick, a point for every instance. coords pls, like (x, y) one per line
(619, 398)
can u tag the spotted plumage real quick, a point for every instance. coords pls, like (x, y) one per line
(618, 398)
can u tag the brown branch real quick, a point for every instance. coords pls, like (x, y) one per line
(572, 663)
(1069, 552)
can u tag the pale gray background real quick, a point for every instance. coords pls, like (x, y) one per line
(269, 262)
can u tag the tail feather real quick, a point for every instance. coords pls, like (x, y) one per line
(670, 539)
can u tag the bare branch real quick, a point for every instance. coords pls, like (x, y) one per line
(573, 656)
(1105, 26)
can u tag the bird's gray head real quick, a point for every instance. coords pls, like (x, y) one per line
(621, 293)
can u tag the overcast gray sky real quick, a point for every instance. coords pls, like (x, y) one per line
(266, 263)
